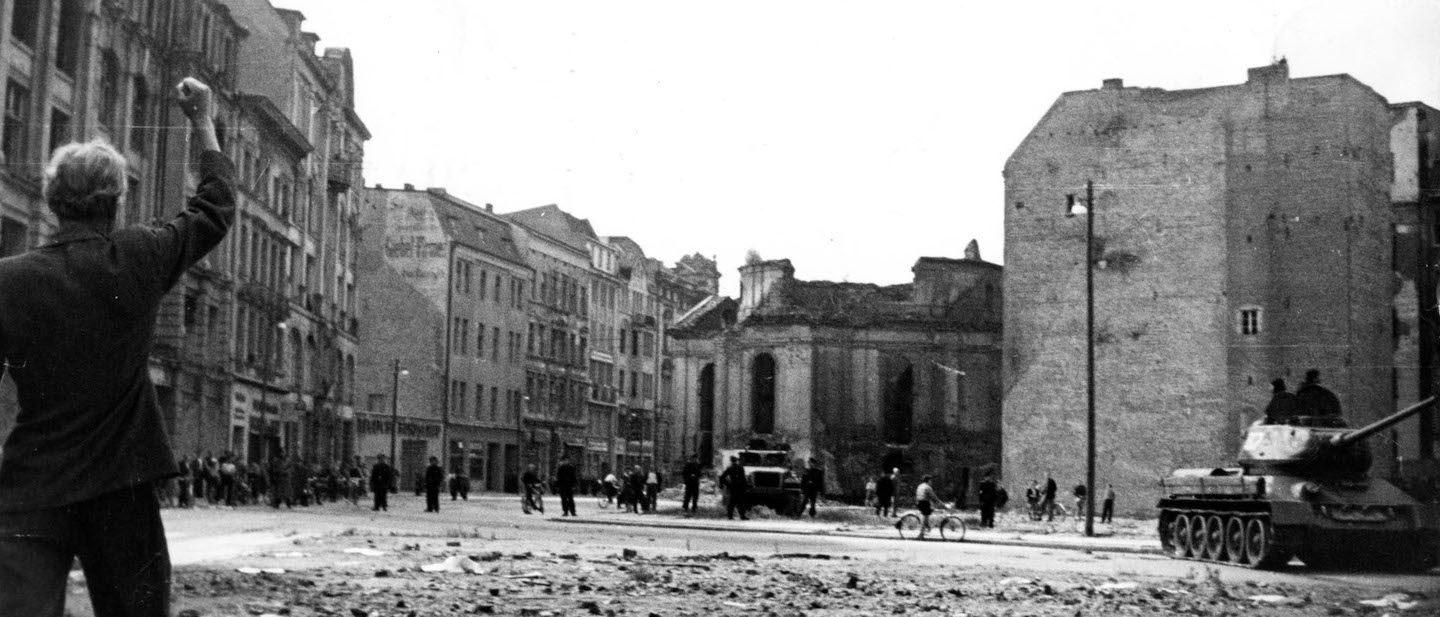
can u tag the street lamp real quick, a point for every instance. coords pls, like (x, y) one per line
(395, 407)
(1072, 207)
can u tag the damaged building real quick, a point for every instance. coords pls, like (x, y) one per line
(862, 377)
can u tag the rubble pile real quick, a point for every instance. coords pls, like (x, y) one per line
(451, 578)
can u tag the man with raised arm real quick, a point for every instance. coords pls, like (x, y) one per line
(77, 321)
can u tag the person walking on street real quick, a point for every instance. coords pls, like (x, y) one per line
(183, 492)
(870, 491)
(1080, 491)
(228, 476)
(88, 443)
(635, 487)
(734, 482)
(812, 485)
(988, 495)
(611, 487)
(532, 490)
(565, 483)
(1107, 509)
(652, 490)
(382, 480)
(434, 479)
(459, 485)
(691, 477)
(885, 495)
(1047, 501)
(281, 487)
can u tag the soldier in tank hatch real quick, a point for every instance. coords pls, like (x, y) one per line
(1315, 399)
(1283, 405)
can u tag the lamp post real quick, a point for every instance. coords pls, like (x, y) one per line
(395, 408)
(1089, 207)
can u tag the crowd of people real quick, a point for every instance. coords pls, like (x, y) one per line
(228, 480)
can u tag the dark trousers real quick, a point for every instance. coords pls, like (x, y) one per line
(382, 501)
(882, 506)
(432, 499)
(737, 502)
(987, 514)
(119, 539)
(652, 497)
(1047, 506)
(691, 502)
(567, 500)
(1107, 511)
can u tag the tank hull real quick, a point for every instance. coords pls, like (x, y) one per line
(1262, 521)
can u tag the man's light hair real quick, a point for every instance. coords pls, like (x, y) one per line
(85, 180)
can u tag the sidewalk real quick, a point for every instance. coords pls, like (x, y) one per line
(671, 519)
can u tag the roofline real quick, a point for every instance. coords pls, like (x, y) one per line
(266, 110)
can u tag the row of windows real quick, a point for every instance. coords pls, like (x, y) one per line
(460, 343)
(487, 286)
(563, 292)
(462, 407)
(558, 345)
(553, 395)
(637, 343)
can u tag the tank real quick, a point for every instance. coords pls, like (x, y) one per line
(1300, 489)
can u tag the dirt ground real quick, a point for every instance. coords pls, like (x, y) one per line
(371, 573)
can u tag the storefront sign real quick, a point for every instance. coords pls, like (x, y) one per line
(407, 429)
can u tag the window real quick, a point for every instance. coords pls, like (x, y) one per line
(480, 340)
(67, 44)
(17, 115)
(494, 398)
(497, 287)
(762, 394)
(109, 90)
(1250, 321)
(59, 129)
(23, 21)
(495, 344)
(139, 117)
(483, 276)
(480, 401)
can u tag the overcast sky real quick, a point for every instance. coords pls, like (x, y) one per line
(849, 137)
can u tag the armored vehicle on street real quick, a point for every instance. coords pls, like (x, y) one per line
(772, 482)
(1301, 489)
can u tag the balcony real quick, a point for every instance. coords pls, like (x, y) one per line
(343, 173)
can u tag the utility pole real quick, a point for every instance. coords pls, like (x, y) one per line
(1090, 358)
(395, 409)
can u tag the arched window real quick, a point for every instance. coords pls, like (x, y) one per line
(899, 406)
(762, 394)
(706, 446)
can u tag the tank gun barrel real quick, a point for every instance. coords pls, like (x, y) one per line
(1345, 439)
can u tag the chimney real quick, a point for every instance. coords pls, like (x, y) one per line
(379, 187)
(409, 187)
(758, 280)
(489, 207)
(1114, 83)
(1279, 71)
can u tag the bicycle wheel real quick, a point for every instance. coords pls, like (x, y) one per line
(909, 526)
(952, 528)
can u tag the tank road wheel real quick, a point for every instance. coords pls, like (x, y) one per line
(1215, 537)
(1180, 536)
(1235, 539)
(1198, 537)
(1260, 548)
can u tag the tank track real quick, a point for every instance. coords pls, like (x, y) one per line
(1245, 539)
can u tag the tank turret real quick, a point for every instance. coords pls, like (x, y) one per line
(1322, 450)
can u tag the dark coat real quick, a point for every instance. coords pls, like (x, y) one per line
(565, 478)
(812, 481)
(733, 479)
(987, 492)
(1317, 400)
(1282, 407)
(434, 478)
(381, 477)
(77, 323)
(1050, 489)
(691, 473)
(885, 487)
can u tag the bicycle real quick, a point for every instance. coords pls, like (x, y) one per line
(912, 526)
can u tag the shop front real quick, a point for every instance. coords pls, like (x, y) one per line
(413, 441)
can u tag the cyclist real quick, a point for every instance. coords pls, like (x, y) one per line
(925, 501)
(533, 489)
